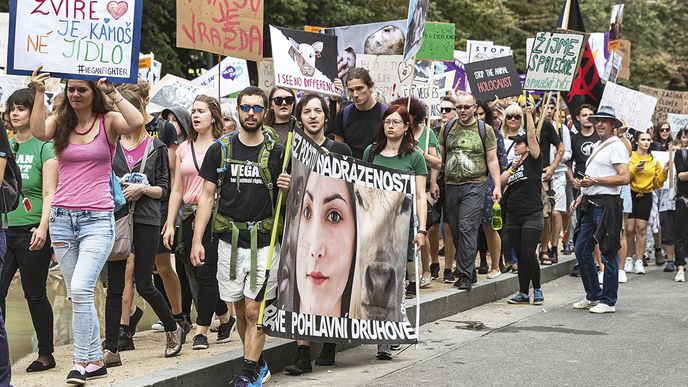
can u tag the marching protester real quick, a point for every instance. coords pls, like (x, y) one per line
(559, 219)
(601, 213)
(356, 123)
(82, 227)
(243, 219)
(471, 151)
(395, 148)
(681, 225)
(140, 163)
(667, 212)
(647, 174)
(523, 181)
(312, 113)
(206, 127)
(5, 367)
(28, 243)
(282, 102)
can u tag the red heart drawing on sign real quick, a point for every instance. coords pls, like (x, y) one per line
(117, 9)
(404, 71)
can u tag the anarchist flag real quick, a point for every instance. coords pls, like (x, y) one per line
(587, 86)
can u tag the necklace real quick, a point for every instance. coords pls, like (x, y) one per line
(89, 129)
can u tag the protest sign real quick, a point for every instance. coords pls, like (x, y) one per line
(4, 27)
(232, 29)
(664, 157)
(493, 78)
(431, 95)
(457, 67)
(303, 60)
(147, 70)
(266, 75)
(8, 85)
(676, 122)
(624, 48)
(313, 29)
(384, 38)
(174, 91)
(668, 101)
(470, 42)
(599, 45)
(483, 51)
(553, 61)
(415, 24)
(391, 73)
(438, 42)
(359, 296)
(616, 21)
(234, 76)
(611, 72)
(632, 107)
(88, 40)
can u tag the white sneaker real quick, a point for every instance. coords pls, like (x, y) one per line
(602, 308)
(157, 326)
(638, 267)
(622, 277)
(628, 265)
(680, 276)
(584, 304)
(600, 277)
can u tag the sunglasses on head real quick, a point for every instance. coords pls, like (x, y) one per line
(513, 117)
(247, 108)
(282, 100)
(447, 109)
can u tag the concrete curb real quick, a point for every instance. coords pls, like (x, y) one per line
(219, 369)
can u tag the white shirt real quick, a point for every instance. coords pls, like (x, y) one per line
(601, 164)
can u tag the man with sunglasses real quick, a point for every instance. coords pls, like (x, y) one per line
(245, 205)
(468, 157)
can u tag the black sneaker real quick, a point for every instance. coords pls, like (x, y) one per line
(302, 363)
(575, 272)
(411, 290)
(327, 355)
(448, 276)
(77, 376)
(483, 269)
(184, 324)
(463, 283)
(200, 342)
(125, 342)
(434, 270)
(225, 330)
(475, 277)
(96, 373)
(134, 320)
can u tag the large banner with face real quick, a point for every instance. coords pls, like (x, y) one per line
(343, 256)
(304, 60)
(75, 39)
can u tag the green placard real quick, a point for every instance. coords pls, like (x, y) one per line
(438, 42)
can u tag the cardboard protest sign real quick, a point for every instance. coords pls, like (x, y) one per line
(4, 27)
(616, 22)
(227, 28)
(175, 91)
(624, 48)
(632, 107)
(431, 95)
(391, 73)
(438, 42)
(359, 297)
(415, 24)
(493, 78)
(384, 38)
(553, 61)
(8, 85)
(313, 29)
(676, 122)
(483, 51)
(234, 76)
(88, 40)
(303, 60)
(266, 75)
(668, 101)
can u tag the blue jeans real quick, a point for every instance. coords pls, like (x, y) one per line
(5, 370)
(585, 245)
(82, 241)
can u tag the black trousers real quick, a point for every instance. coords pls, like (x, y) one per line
(524, 234)
(681, 231)
(33, 268)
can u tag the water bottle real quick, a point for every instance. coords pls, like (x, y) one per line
(496, 216)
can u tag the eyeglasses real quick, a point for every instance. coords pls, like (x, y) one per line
(281, 100)
(513, 117)
(395, 122)
(247, 108)
(463, 107)
(664, 130)
(447, 109)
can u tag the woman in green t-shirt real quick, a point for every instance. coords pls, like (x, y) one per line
(28, 242)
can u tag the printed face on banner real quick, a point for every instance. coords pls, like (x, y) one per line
(233, 76)
(174, 91)
(553, 61)
(415, 25)
(303, 60)
(85, 40)
(343, 256)
(632, 107)
(228, 28)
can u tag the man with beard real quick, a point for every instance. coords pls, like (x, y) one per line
(242, 167)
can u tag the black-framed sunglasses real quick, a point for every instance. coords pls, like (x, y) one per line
(664, 130)
(447, 109)
(513, 117)
(464, 107)
(282, 100)
(247, 108)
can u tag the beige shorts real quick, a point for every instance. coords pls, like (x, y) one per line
(240, 287)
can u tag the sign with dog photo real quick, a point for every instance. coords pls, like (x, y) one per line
(303, 60)
(343, 256)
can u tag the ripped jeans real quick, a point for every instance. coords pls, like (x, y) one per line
(82, 241)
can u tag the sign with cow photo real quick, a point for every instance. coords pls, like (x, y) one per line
(493, 78)
(355, 293)
(303, 60)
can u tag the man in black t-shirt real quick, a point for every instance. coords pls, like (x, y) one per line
(5, 370)
(581, 145)
(357, 125)
(245, 204)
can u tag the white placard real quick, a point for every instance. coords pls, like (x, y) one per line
(234, 76)
(632, 107)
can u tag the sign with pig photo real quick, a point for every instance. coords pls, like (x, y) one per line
(303, 60)
(343, 280)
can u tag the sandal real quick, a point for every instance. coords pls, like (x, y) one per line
(544, 258)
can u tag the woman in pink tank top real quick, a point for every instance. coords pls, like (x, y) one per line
(82, 228)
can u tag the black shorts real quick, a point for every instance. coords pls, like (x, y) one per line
(666, 224)
(642, 206)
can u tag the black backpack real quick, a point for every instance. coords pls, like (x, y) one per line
(11, 189)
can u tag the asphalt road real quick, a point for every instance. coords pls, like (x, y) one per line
(497, 344)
